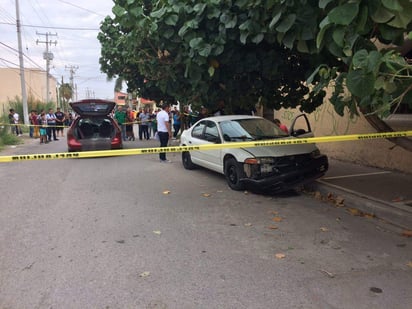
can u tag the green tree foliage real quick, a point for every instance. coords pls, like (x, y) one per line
(283, 53)
(65, 93)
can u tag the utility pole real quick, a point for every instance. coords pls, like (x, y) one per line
(72, 69)
(22, 79)
(48, 57)
(90, 94)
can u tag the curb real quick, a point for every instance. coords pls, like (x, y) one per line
(396, 214)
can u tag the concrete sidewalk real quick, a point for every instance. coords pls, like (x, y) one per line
(383, 193)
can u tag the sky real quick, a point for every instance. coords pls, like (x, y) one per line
(73, 25)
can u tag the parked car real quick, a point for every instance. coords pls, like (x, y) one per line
(268, 168)
(93, 128)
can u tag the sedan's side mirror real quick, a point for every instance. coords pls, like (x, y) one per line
(298, 132)
(226, 138)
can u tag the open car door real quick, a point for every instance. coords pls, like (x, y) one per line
(301, 127)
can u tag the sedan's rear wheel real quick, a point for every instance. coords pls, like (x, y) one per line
(187, 161)
(233, 173)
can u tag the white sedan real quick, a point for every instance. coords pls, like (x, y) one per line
(267, 168)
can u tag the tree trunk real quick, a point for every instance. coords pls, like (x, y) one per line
(382, 126)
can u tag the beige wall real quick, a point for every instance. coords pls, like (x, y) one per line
(378, 153)
(10, 85)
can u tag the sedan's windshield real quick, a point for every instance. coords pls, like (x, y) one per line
(250, 129)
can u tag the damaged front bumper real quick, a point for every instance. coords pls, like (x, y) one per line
(288, 177)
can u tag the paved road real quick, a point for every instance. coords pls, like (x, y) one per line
(130, 232)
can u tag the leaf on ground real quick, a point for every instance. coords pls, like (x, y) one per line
(277, 219)
(339, 201)
(144, 274)
(354, 211)
(330, 275)
(407, 233)
(157, 232)
(360, 213)
(206, 194)
(272, 227)
(409, 264)
(166, 192)
(324, 229)
(248, 224)
(273, 212)
(246, 192)
(318, 195)
(280, 255)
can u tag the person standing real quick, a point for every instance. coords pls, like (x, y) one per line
(51, 125)
(281, 126)
(144, 118)
(120, 117)
(139, 123)
(185, 118)
(41, 121)
(34, 127)
(164, 130)
(176, 123)
(220, 111)
(153, 120)
(129, 124)
(60, 118)
(11, 121)
(14, 120)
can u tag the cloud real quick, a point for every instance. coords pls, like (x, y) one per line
(76, 24)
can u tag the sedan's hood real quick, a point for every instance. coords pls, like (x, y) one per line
(281, 150)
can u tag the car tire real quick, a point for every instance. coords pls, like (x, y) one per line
(233, 174)
(187, 161)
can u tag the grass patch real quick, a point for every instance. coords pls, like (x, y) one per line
(6, 138)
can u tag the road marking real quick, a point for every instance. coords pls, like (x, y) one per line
(356, 175)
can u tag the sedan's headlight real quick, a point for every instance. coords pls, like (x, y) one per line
(254, 167)
(265, 160)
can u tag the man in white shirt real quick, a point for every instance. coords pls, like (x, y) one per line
(51, 125)
(164, 130)
(15, 118)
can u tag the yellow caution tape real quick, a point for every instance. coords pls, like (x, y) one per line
(139, 151)
(32, 125)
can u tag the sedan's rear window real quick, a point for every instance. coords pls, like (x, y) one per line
(98, 108)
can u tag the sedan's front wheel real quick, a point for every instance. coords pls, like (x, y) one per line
(187, 161)
(233, 173)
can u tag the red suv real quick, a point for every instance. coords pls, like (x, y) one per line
(94, 128)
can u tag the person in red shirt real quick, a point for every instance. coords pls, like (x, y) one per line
(34, 125)
(281, 126)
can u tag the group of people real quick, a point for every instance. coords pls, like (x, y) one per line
(127, 118)
(46, 126)
(151, 124)
(146, 118)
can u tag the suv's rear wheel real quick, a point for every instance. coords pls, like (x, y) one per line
(233, 173)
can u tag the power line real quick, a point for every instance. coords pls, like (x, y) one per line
(25, 56)
(5, 60)
(52, 27)
(82, 8)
